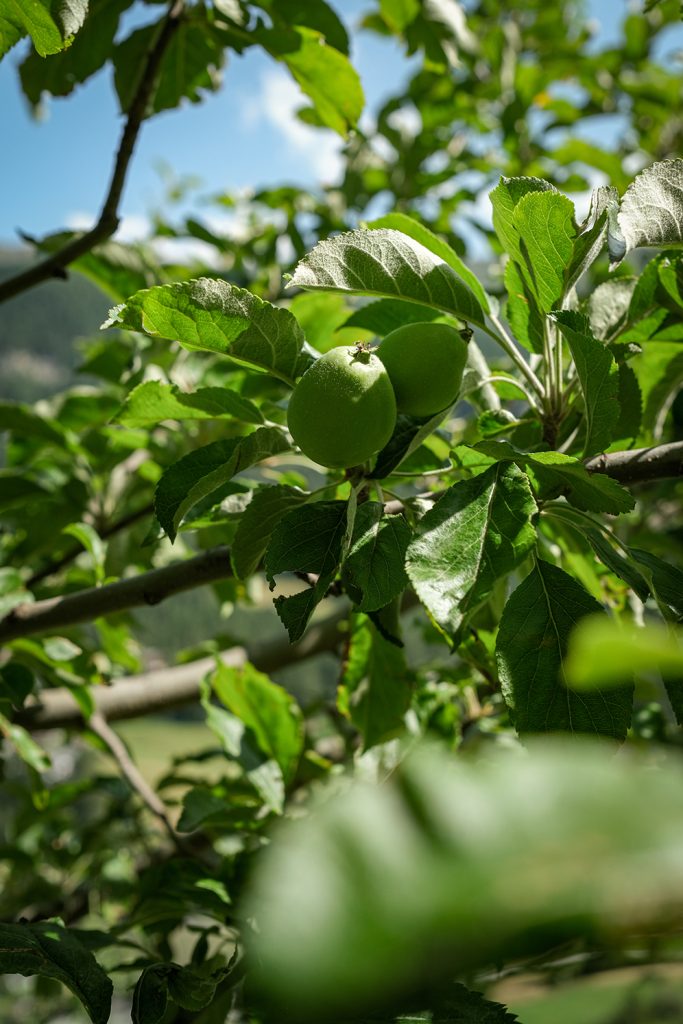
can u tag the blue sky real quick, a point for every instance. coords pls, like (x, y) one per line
(54, 171)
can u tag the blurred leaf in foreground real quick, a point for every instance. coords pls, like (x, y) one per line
(386, 892)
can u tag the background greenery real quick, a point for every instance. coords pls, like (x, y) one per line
(156, 891)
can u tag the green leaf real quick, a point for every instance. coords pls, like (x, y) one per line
(324, 74)
(651, 211)
(544, 222)
(599, 380)
(271, 713)
(608, 306)
(523, 313)
(201, 471)
(479, 531)
(398, 14)
(52, 951)
(461, 1006)
(307, 540)
(591, 236)
(16, 682)
(120, 270)
(28, 750)
(191, 64)
(659, 370)
(263, 773)
(666, 580)
(604, 652)
(88, 536)
(384, 315)
(49, 32)
(621, 565)
(190, 989)
(16, 488)
(532, 644)
(12, 590)
(213, 316)
(202, 805)
(375, 687)
(504, 199)
(61, 72)
(646, 291)
(259, 519)
(315, 14)
(408, 435)
(380, 890)
(151, 402)
(150, 997)
(554, 474)
(183, 985)
(374, 564)
(628, 425)
(671, 277)
(388, 263)
(24, 421)
(417, 231)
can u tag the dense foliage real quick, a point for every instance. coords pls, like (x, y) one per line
(486, 761)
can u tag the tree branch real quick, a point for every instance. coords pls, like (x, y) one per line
(148, 588)
(108, 221)
(171, 687)
(628, 467)
(640, 465)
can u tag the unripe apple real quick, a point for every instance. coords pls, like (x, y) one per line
(425, 362)
(343, 409)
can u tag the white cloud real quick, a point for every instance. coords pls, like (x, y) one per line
(133, 227)
(136, 227)
(275, 104)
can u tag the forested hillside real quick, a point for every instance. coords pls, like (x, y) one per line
(39, 331)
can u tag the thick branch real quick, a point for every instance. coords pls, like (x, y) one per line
(643, 464)
(640, 465)
(147, 588)
(171, 687)
(53, 265)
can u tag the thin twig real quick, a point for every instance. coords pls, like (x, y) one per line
(98, 724)
(108, 221)
(147, 588)
(508, 345)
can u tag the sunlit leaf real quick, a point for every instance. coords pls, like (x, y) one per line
(479, 531)
(211, 315)
(386, 262)
(651, 211)
(152, 402)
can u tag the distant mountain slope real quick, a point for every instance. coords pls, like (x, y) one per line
(39, 330)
